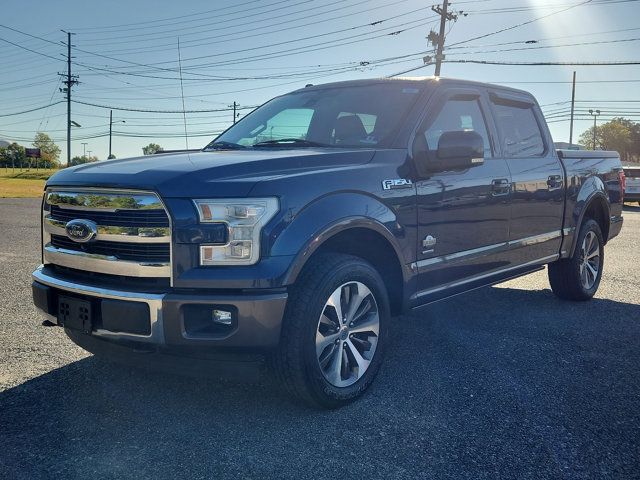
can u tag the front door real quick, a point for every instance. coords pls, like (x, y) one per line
(463, 215)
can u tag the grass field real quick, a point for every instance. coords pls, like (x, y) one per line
(22, 183)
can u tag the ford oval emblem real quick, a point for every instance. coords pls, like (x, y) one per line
(81, 231)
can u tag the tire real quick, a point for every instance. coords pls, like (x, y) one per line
(310, 362)
(574, 278)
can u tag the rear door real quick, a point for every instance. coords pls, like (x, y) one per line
(463, 215)
(537, 203)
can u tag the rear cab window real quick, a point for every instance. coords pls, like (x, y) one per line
(521, 135)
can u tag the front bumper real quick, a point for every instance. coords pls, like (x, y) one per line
(256, 323)
(631, 197)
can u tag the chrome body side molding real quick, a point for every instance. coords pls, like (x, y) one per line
(487, 250)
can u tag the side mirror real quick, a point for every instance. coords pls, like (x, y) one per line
(458, 150)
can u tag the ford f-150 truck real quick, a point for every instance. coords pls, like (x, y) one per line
(298, 234)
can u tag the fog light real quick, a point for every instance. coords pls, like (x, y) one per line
(222, 317)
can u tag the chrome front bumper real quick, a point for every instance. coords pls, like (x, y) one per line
(154, 302)
(258, 313)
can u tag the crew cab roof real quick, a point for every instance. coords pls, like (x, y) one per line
(413, 81)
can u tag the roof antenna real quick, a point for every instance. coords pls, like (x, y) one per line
(184, 112)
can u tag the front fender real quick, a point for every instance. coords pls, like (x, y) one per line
(332, 214)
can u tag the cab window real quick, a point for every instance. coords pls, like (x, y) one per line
(521, 135)
(459, 115)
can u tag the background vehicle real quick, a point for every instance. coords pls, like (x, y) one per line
(302, 230)
(632, 184)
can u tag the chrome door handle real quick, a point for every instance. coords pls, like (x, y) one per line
(554, 182)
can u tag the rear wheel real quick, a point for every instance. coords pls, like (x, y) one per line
(334, 331)
(578, 277)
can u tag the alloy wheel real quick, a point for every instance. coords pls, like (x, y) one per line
(590, 260)
(347, 334)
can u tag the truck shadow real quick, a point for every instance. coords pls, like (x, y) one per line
(498, 370)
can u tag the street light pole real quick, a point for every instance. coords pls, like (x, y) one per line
(111, 129)
(595, 117)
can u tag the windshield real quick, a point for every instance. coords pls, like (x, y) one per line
(351, 116)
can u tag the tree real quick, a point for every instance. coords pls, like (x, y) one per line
(151, 149)
(80, 159)
(614, 135)
(49, 151)
(13, 156)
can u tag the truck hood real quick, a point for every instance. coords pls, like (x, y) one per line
(215, 174)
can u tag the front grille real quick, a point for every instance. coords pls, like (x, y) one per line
(120, 218)
(126, 233)
(139, 252)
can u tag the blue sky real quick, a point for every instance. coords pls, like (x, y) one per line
(127, 57)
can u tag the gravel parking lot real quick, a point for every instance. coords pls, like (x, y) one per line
(504, 382)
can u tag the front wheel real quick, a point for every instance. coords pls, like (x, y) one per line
(578, 277)
(334, 331)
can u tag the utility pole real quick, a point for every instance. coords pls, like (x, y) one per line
(110, 129)
(437, 39)
(84, 149)
(235, 106)
(69, 82)
(443, 20)
(595, 117)
(573, 103)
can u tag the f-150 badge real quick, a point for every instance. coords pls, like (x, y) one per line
(395, 183)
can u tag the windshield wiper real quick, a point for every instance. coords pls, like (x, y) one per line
(294, 142)
(222, 145)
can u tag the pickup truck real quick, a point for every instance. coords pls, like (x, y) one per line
(298, 236)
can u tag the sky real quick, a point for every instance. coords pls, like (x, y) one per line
(247, 51)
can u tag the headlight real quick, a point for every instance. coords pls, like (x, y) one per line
(245, 219)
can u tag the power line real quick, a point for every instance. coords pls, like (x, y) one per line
(137, 24)
(30, 50)
(539, 47)
(538, 64)
(30, 110)
(126, 109)
(518, 25)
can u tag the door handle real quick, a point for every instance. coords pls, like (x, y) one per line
(500, 187)
(554, 182)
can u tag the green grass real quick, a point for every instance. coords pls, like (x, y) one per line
(16, 183)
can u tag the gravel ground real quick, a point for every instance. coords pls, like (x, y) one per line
(504, 382)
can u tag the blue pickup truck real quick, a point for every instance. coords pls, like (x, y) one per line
(296, 236)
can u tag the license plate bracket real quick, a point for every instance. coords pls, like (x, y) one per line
(74, 313)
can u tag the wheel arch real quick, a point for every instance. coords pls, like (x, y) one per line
(596, 207)
(365, 238)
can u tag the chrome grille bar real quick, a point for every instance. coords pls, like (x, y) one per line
(114, 233)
